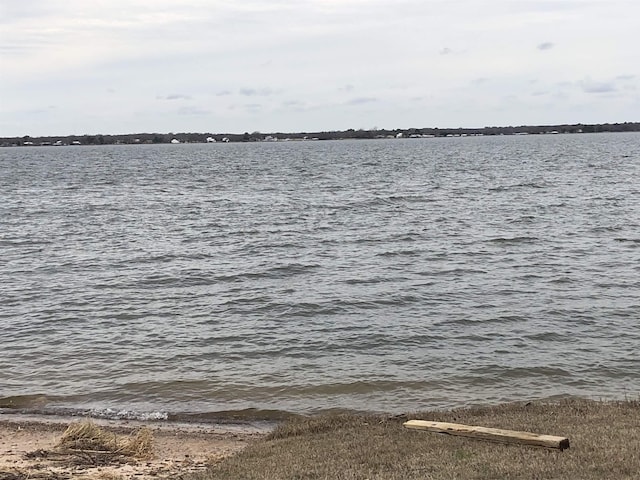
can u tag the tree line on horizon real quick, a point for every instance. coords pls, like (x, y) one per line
(157, 138)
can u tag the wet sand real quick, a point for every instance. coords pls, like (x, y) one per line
(27, 450)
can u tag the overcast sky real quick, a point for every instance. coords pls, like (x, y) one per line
(116, 66)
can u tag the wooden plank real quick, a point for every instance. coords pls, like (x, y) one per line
(496, 434)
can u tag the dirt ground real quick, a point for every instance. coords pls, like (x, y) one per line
(28, 451)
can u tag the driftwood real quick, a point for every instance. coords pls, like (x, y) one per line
(496, 434)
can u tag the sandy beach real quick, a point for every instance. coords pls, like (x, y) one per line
(28, 450)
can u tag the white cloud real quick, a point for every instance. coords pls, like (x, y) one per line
(589, 86)
(361, 100)
(546, 46)
(174, 96)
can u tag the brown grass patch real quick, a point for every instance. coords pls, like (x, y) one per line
(605, 444)
(88, 438)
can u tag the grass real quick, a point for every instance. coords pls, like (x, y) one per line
(88, 437)
(604, 436)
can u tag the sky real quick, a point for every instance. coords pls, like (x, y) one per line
(73, 67)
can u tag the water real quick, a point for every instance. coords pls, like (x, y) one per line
(248, 280)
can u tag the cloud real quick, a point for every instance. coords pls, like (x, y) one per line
(174, 96)
(539, 93)
(223, 93)
(347, 88)
(445, 51)
(546, 46)
(361, 100)
(251, 92)
(589, 86)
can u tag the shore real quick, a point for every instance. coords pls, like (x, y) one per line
(604, 439)
(28, 449)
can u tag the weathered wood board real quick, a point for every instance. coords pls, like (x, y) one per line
(495, 434)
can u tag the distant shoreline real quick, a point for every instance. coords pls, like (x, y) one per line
(207, 137)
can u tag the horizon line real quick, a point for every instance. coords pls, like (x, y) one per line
(397, 129)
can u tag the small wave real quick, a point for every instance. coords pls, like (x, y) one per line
(120, 414)
(632, 241)
(280, 271)
(289, 270)
(611, 228)
(396, 300)
(23, 243)
(24, 401)
(472, 321)
(410, 199)
(512, 240)
(522, 219)
(156, 280)
(502, 188)
(501, 372)
(22, 405)
(160, 259)
(547, 337)
(560, 280)
(304, 309)
(399, 253)
(371, 281)
(452, 272)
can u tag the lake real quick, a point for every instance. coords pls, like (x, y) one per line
(252, 280)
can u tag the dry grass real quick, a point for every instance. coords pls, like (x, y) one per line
(140, 445)
(605, 444)
(89, 437)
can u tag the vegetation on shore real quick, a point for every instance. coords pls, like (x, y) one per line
(605, 444)
(184, 137)
(86, 436)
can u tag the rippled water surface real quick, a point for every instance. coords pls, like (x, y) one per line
(388, 275)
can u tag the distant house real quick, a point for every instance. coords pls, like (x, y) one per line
(211, 140)
(175, 140)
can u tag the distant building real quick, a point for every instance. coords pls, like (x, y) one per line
(174, 140)
(211, 140)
